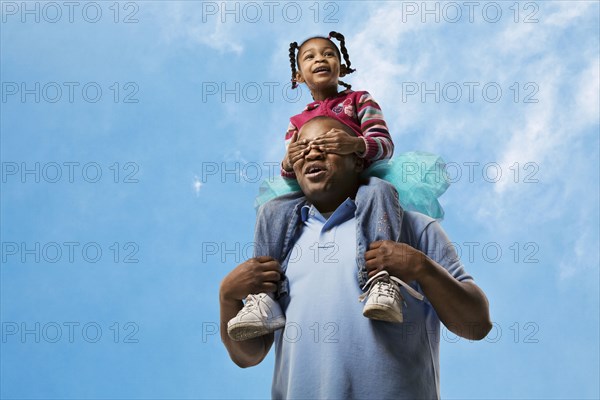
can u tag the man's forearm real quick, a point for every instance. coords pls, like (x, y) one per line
(461, 306)
(248, 352)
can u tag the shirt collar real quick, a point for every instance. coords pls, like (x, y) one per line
(315, 104)
(343, 213)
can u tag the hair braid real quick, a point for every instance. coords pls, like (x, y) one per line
(293, 48)
(346, 68)
(346, 85)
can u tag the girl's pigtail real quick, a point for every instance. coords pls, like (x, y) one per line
(293, 48)
(348, 86)
(345, 68)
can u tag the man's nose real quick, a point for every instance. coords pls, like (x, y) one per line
(314, 153)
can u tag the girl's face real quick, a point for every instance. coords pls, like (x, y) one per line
(318, 65)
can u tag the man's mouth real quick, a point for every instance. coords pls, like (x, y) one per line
(314, 171)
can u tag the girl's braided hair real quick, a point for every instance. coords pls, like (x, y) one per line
(344, 68)
(293, 47)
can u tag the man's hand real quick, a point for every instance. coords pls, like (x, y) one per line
(399, 259)
(256, 275)
(296, 150)
(461, 306)
(338, 141)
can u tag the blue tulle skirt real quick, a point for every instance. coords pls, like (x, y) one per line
(418, 177)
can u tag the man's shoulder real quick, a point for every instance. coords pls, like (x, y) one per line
(418, 219)
(282, 206)
(414, 224)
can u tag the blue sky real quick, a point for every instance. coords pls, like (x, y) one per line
(149, 137)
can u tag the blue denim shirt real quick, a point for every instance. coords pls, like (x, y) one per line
(378, 216)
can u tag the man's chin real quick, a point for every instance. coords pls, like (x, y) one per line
(315, 190)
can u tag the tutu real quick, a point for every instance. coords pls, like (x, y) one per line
(274, 187)
(418, 177)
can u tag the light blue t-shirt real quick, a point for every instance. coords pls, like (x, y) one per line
(328, 349)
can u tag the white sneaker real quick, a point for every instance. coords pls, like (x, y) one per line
(260, 315)
(384, 301)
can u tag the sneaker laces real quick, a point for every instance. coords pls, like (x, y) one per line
(252, 304)
(383, 283)
(386, 288)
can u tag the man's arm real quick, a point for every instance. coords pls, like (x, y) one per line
(256, 275)
(461, 306)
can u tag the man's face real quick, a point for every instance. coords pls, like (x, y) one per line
(326, 179)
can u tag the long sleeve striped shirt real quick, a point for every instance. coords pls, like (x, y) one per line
(357, 110)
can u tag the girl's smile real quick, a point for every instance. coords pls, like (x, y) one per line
(319, 68)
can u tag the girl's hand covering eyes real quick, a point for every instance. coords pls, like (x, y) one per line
(296, 150)
(339, 142)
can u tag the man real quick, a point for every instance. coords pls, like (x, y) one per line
(327, 348)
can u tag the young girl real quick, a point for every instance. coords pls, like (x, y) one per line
(319, 66)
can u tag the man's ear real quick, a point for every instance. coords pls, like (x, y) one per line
(359, 164)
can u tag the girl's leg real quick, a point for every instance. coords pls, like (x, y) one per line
(379, 217)
(262, 313)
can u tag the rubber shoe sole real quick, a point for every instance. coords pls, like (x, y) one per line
(244, 331)
(382, 313)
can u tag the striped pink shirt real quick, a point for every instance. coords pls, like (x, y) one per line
(357, 110)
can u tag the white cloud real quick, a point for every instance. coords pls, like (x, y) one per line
(374, 50)
(185, 22)
(581, 258)
(197, 184)
(566, 12)
(587, 106)
(538, 136)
